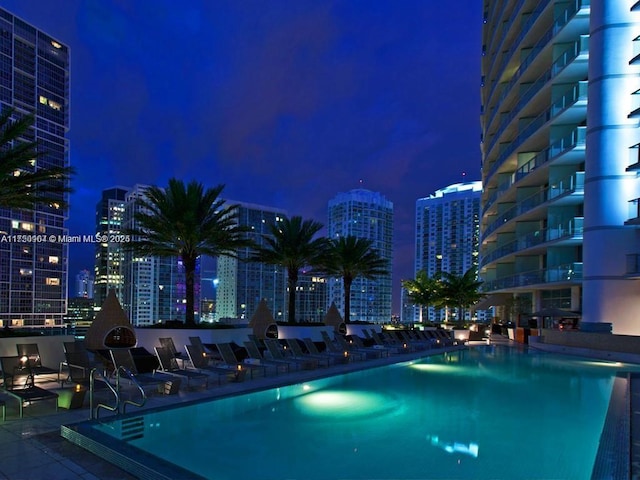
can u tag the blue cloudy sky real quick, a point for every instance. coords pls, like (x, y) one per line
(286, 102)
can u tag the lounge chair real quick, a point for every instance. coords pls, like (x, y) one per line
(230, 359)
(274, 349)
(254, 353)
(209, 350)
(394, 347)
(297, 352)
(382, 350)
(124, 364)
(29, 352)
(336, 357)
(167, 342)
(352, 348)
(418, 344)
(333, 346)
(394, 340)
(18, 383)
(169, 364)
(200, 362)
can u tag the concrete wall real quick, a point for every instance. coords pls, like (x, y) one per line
(148, 337)
(592, 341)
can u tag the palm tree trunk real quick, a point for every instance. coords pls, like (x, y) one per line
(347, 300)
(189, 273)
(293, 283)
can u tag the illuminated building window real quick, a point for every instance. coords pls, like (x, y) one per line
(53, 259)
(52, 281)
(26, 271)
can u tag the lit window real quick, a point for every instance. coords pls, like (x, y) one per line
(53, 259)
(43, 100)
(26, 226)
(52, 281)
(55, 44)
(26, 271)
(55, 105)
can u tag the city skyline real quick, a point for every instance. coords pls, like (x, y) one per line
(339, 96)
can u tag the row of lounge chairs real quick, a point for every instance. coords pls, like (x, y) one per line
(200, 364)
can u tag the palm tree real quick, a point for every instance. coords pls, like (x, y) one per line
(24, 184)
(292, 245)
(461, 290)
(424, 291)
(186, 221)
(350, 258)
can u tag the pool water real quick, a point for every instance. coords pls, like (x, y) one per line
(484, 413)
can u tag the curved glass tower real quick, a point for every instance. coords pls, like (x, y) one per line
(560, 137)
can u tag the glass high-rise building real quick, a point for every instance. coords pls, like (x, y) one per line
(108, 273)
(84, 284)
(364, 214)
(448, 235)
(34, 79)
(241, 284)
(560, 147)
(153, 288)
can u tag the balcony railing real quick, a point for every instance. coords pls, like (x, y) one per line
(575, 138)
(571, 272)
(633, 264)
(574, 93)
(571, 229)
(572, 184)
(524, 30)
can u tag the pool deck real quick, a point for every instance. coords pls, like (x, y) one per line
(32, 448)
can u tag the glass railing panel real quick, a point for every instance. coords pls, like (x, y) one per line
(633, 263)
(570, 184)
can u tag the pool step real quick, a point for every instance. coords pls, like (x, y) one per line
(132, 428)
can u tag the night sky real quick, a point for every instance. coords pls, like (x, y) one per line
(287, 103)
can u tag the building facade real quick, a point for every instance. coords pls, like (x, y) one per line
(34, 79)
(109, 255)
(153, 288)
(560, 144)
(448, 237)
(364, 214)
(242, 284)
(84, 284)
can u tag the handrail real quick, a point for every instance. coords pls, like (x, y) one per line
(131, 377)
(94, 415)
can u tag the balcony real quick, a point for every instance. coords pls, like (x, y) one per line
(570, 231)
(573, 184)
(573, 142)
(568, 274)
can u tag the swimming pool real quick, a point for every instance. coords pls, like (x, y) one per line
(488, 412)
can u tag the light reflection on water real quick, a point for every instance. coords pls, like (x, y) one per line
(488, 412)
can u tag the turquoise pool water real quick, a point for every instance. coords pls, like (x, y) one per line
(483, 413)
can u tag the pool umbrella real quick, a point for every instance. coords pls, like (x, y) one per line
(334, 319)
(261, 320)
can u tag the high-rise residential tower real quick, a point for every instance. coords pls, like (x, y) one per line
(84, 284)
(448, 234)
(242, 284)
(560, 138)
(153, 288)
(364, 214)
(109, 255)
(34, 79)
